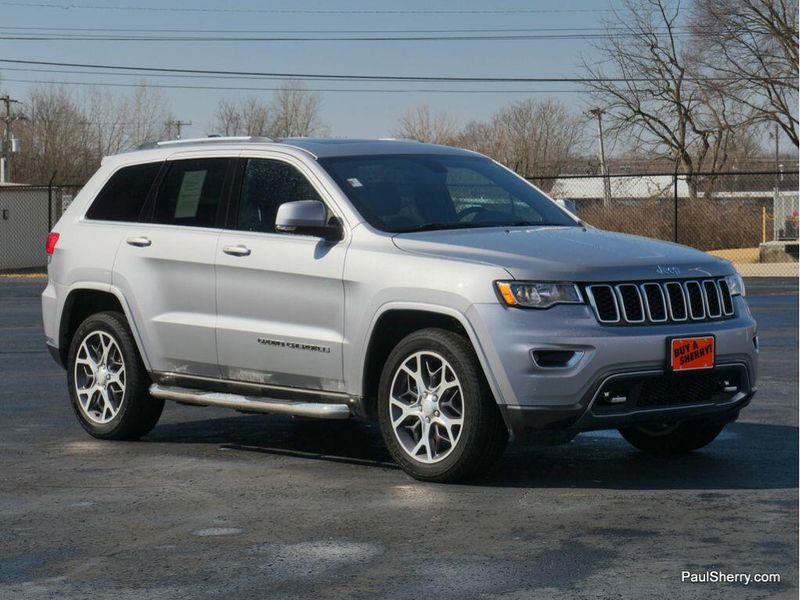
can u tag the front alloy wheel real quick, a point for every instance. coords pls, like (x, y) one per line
(426, 406)
(437, 415)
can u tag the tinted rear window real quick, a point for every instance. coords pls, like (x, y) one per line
(191, 192)
(123, 196)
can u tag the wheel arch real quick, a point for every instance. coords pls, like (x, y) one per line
(394, 322)
(85, 299)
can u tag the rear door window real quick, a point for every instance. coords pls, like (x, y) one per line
(124, 194)
(191, 192)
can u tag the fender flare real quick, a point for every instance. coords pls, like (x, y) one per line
(114, 291)
(437, 309)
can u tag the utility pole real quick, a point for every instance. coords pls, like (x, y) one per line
(8, 149)
(776, 135)
(178, 125)
(777, 158)
(599, 112)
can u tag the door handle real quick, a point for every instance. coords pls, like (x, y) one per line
(237, 250)
(139, 242)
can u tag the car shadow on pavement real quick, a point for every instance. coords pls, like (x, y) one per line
(745, 456)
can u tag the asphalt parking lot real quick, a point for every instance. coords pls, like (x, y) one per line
(221, 505)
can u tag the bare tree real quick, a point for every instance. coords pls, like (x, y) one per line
(754, 44)
(104, 119)
(249, 116)
(227, 119)
(147, 113)
(422, 124)
(537, 137)
(292, 112)
(295, 112)
(651, 88)
(69, 135)
(53, 137)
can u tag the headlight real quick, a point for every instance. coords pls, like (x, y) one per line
(538, 295)
(735, 285)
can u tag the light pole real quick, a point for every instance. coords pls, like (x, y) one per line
(599, 112)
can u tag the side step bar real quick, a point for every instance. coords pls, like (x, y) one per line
(250, 403)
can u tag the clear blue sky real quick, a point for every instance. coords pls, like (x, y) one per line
(348, 114)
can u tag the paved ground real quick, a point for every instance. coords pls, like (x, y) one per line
(212, 504)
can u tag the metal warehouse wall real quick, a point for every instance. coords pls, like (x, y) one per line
(23, 227)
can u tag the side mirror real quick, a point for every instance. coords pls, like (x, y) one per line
(307, 217)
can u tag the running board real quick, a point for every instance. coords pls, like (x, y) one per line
(251, 403)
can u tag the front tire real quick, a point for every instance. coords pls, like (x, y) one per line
(673, 438)
(108, 384)
(437, 415)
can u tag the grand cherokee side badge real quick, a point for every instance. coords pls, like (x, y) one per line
(293, 345)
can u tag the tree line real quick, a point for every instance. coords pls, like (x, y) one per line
(65, 135)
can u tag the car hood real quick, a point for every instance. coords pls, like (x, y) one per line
(566, 253)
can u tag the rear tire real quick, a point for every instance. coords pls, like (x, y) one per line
(108, 384)
(676, 438)
(437, 415)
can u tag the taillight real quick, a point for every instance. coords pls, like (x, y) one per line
(52, 240)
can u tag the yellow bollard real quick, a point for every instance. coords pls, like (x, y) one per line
(763, 224)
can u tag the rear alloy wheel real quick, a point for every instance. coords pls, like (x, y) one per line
(673, 438)
(108, 384)
(437, 415)
(99, 377)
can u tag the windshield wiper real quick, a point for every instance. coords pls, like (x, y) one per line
(438, 226)
(471, 225)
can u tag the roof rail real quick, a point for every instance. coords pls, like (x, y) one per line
(212, 139)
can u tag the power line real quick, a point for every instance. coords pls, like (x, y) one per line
(331, 31)
(403, 78)
(298, 89)
(351, 38)
(305, 11)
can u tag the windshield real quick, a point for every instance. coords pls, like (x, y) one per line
(420, 192)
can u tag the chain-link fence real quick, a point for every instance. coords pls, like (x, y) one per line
(27, 214)
(748, 218)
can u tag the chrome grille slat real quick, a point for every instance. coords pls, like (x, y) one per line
(660, 302)
(656, 309)
(631, 305)
(599, 301)
(725, 296)
(676, 296)
(694, 296)
(712, 298)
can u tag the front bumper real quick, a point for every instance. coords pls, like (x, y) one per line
(649, 397)
(547, 405)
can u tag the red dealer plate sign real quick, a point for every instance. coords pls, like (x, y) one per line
(692, 353)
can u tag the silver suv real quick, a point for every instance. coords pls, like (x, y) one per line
(427, 287)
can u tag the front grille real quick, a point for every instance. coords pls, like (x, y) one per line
(660, 302)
